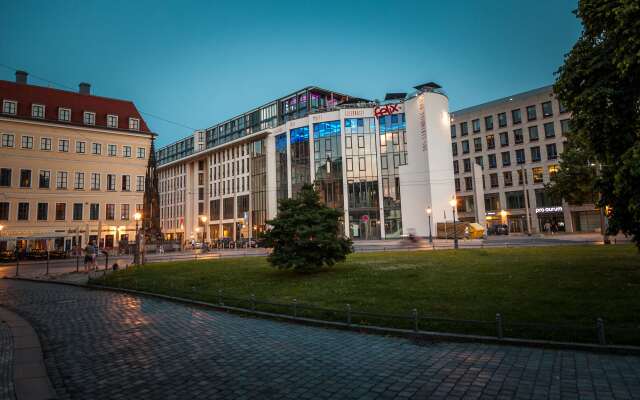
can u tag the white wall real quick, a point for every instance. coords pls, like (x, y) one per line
(427, 179)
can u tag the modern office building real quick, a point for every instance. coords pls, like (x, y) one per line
(515, 143)
(381, 163)
(72, 165)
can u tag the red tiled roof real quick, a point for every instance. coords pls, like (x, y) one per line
(52, 99)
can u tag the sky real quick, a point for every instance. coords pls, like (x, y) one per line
(197, 63)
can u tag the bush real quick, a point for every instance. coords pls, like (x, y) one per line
(306, 235)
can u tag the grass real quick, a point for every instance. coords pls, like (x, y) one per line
(564, 285)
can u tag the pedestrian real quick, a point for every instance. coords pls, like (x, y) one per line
(94, 256)
(88, 255)
(547, 227)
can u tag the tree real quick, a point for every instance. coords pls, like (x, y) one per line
(306, 235)
(600, 84)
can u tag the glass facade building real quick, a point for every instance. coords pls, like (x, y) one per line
(355, 152)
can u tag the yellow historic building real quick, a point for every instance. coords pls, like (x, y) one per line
(72, 167)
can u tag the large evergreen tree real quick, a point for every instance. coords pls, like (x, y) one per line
(306, 234)
(600, 84)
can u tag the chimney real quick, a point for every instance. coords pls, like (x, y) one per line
(85, 88)
(21, 77)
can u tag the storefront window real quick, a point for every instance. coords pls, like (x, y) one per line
(300, 170)
(328, 163)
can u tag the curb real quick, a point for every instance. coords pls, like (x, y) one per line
(420, 336)
(29, 373)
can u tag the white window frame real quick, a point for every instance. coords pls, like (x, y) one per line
(33, 109)
(125, 154)
(61, 111)
(62, 177)
(91, 120)
(43, 138)
(22, 142)
(134, 124)
(96, 178)
(144, 151)
(99, 147)
(76, 175)
(115, 152)
(110, 119)
(84, 147)
(13, 110)
(5, 139)
(60, 140)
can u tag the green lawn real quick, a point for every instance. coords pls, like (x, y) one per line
(570, 285)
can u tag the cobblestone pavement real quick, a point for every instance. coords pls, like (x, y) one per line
(7, 391)
(101, 344)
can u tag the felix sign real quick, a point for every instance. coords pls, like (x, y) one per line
(386, 110)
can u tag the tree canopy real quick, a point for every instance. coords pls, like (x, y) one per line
(600, 84)
(306, 234)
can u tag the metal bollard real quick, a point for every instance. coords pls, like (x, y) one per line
(295, 307)
(220, 297)
(349, 314)
(602, 340)
(499, 331)
(416, 328)
(253, 302)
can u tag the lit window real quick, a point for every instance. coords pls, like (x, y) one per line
(64, 114)
(10, 107)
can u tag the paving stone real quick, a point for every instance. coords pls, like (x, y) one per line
(108, 345)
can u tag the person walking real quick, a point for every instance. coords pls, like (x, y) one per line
(88, 255)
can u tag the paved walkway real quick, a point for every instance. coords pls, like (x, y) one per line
(7, 390)
(101, 344)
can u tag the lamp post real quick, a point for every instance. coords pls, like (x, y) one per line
(428, 210)
(136, 256)
(454, 202)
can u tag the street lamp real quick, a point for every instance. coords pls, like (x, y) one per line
(428, 210)
(454, 202)
(136, 257)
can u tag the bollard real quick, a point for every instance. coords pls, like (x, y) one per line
(602, 340)
(414, 312)
(499, 330)
(295, 307)
(47, 273)
(220, 302)
(253, 302)
(17, 264)
(349, 314)
(77, 263)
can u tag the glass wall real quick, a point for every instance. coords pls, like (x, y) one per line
(300, 161)
(328, 163)
(175, 151)
(258, 168)
(281, 167)
(362, 177)
(393, 154)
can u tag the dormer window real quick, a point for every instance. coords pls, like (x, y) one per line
(89, 118)
(112, 121)
(37, 111)
(64, 114)
(134, 124)
(9, 107)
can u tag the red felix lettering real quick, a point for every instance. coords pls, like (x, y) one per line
(386, 110)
